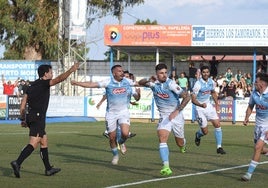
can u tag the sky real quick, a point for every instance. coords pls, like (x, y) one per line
(180, 12)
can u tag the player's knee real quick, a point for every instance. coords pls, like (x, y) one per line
(205, 131)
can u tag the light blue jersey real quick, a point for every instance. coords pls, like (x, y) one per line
(261, 104)
(202, 90)
(166, 96)
(118, 94)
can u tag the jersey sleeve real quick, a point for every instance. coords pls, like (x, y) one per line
(251, 101)
(104, 83)
(196, 88)
(175, 87)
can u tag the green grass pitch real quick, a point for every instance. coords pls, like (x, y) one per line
(84, 156)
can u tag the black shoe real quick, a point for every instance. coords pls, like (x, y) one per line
(131, 135)
(221, 151)
(105, 134)
(16, 168)
(197, 140)
(52, 171)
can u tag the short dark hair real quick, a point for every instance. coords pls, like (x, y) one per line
(160, 66)
(262, 76)
(42, 69)
(204, 67)
(115, 66)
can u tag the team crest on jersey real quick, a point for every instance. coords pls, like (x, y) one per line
(162, 95)
(206, 92)
(118, 91)
(261, 107)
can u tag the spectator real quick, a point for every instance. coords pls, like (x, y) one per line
(243, 82)
(192, 77)
(183, 81)
(173, 75)
(229, 75)
(231, 90)
(220, 79)
(213, 65)
(16, 90)
(8, 88)
(22, 87)
(198, 71)
(217, 88)
(259, 69)
(248, 79)
(248, 90)
(223, 88)
(240, 91)
(238, 75)
(262, 65)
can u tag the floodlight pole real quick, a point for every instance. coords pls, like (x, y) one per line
(157, 56)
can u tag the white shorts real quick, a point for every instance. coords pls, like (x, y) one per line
(205, 114)
(115, 119)
(176, 125)
(259, 133)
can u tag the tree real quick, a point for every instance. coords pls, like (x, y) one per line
(29, 28)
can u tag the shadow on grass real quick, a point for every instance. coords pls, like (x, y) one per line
(95, 160)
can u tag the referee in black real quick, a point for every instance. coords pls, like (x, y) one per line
(33, 115)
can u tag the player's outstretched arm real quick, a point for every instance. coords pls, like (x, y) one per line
(64, 75)
(145, 81)
(85, 84)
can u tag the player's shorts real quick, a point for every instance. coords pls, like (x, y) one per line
(205, 114)
(37, 128)
(36, 123)
(259, 133)
(114, 119)
(176, 125)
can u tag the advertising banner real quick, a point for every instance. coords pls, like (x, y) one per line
(3, 106)
(13, 109)
(241, 107)
(147, 35)
(12, 70)
(60, 106)
(226, 109)
(230, 35)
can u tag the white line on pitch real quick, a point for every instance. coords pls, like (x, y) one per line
(181, 176)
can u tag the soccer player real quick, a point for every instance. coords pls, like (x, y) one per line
(202, 90)
(36, 101)
(118, 92)
(105, 133)
(166, 94)
(258, 98)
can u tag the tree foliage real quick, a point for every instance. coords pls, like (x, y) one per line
(29, 28)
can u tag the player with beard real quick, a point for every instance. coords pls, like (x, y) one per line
(166, 94)
(202, 90)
